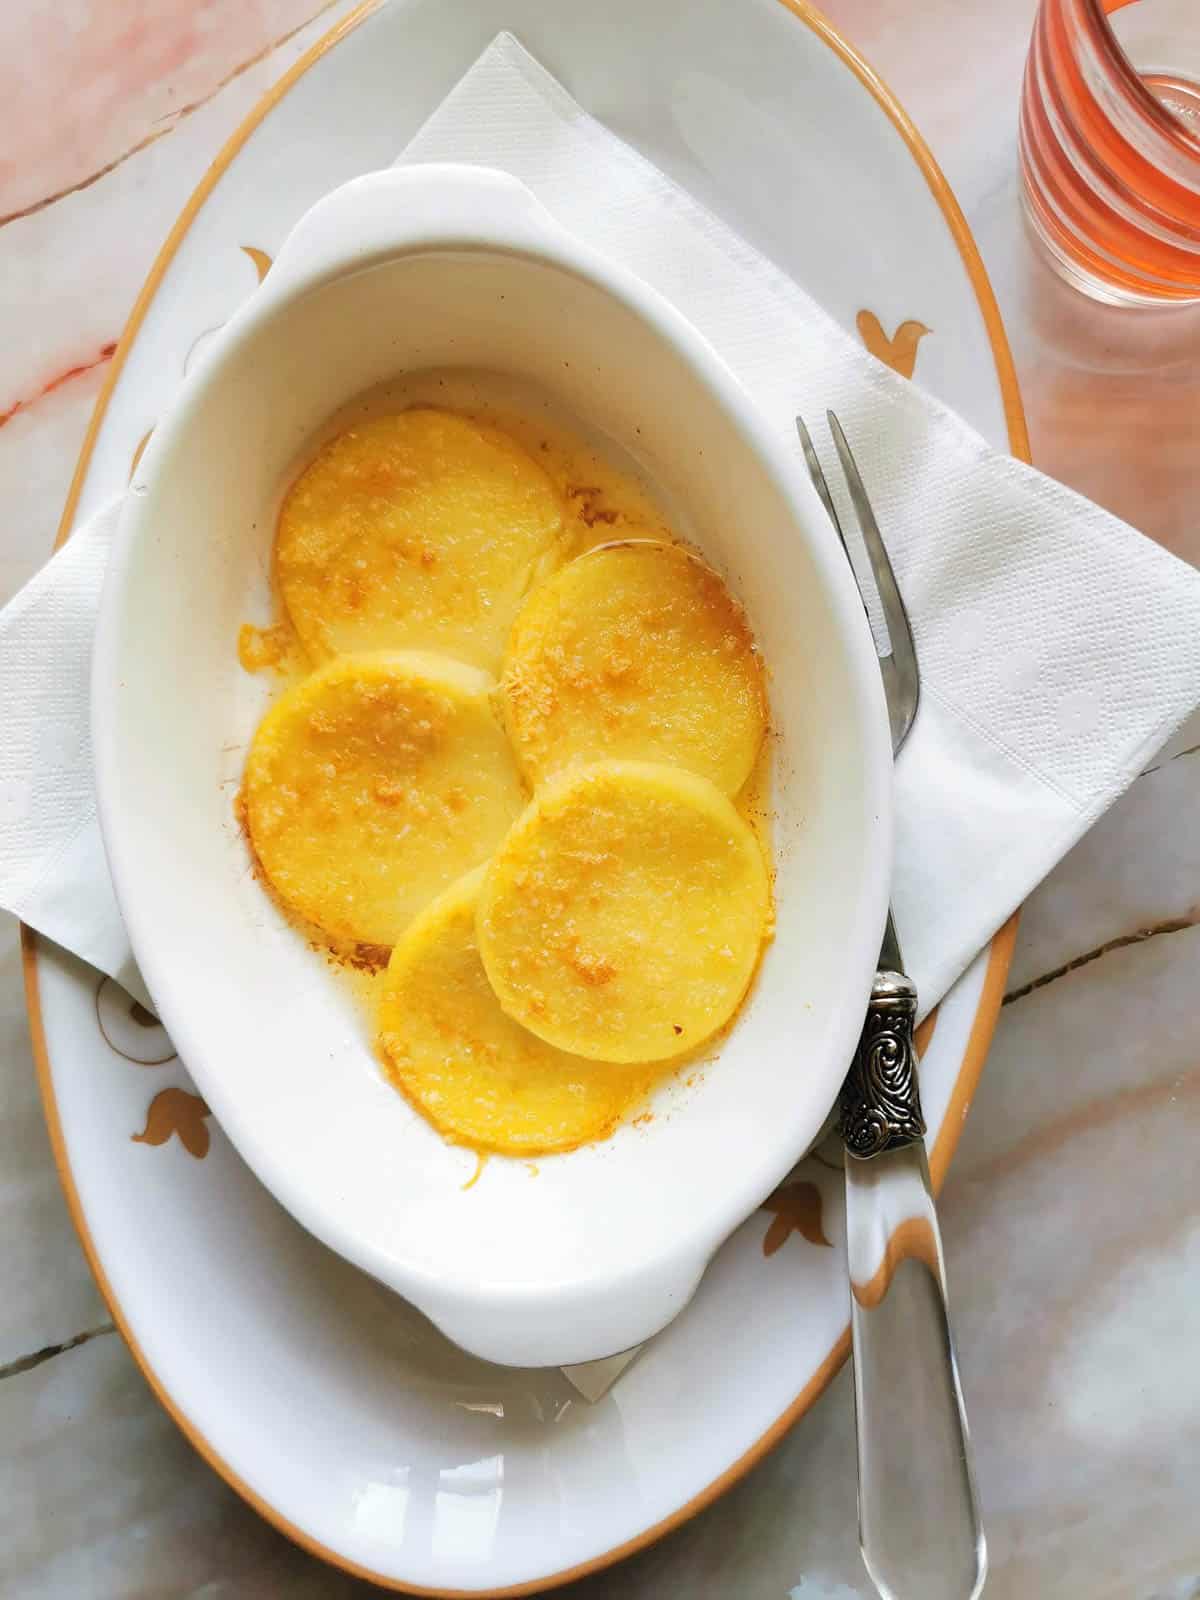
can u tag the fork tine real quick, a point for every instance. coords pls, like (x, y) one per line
(817, 474)
(895, 613)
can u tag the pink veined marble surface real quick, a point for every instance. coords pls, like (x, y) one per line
(1071, 1213)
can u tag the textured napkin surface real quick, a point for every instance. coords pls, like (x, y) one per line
(1058, 647)
(53, 873)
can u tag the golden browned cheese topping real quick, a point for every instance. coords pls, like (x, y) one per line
(533, 965)
(634, 651)
(374, 784)
(481, 1078)
(416, 531)
(623, 917)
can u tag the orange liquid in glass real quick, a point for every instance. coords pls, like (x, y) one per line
(1112, 177)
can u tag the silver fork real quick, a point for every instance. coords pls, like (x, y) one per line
(919, 1526)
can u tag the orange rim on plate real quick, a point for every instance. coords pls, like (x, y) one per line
(1000, 950)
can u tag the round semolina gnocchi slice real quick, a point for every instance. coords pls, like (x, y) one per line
(478, 1076)
(635, 651)
(623, 916)
(374, 784)
(415, 531)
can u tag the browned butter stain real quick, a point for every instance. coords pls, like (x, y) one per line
(266, 649)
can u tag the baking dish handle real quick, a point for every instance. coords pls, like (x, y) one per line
(427, 206)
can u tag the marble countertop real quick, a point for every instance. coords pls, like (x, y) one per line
(1071, 1225)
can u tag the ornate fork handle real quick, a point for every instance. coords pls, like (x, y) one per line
(918, 1511)
(880, 1103)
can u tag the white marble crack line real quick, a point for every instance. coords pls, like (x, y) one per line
(1171, 925)
(1192, 749)
(171, 120)
(13, 1369)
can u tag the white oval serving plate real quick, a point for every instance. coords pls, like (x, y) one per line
(409, 1462)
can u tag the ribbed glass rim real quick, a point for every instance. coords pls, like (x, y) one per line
(1175, 131)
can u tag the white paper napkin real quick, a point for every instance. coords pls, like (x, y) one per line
(53, 874)
(1058, 647)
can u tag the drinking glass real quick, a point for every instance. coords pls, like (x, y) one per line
(1110, 146)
